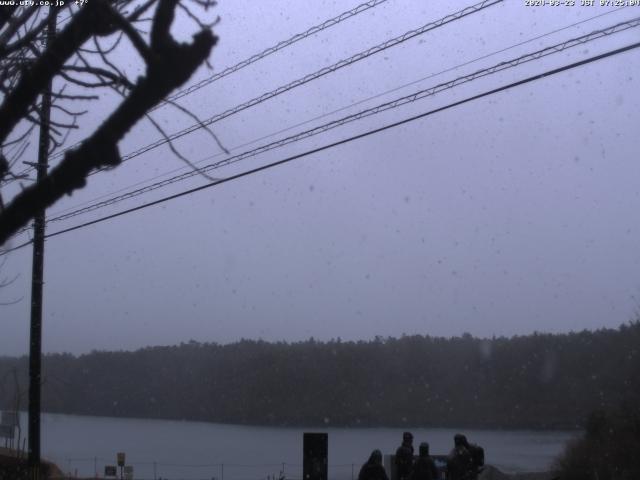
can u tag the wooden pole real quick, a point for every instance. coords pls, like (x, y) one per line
(35, 344)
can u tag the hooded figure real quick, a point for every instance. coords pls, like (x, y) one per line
(404, 456)
(459, 462)
(476, 453)
(373, 469)
(425, 467)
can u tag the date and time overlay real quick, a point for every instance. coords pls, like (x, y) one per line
(526, 3)
(581, 3)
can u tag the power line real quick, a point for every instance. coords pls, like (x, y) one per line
(620, 27)
(351, 105)
(6, 251)
(254, 58)
(313, 76)
(353, 59)
(275, 48)
(258, 56)
(294, 39)
(357, 137)
(344, 141)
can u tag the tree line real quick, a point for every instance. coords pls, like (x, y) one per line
(541, 381)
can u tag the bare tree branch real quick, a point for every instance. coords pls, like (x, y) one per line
(136, 39)
(86, 22)
(15, 24)
(29, 37)
(175, 150)
(168, 65)
(5, 282)
(200, 123)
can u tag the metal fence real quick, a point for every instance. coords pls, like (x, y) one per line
(90, 468)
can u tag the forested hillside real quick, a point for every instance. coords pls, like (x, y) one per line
(534, 381)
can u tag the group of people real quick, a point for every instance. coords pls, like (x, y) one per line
(464, 462)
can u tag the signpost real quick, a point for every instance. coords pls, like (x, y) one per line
(121, 461)
(128, 472)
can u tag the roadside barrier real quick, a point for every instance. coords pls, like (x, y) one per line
(94, 468)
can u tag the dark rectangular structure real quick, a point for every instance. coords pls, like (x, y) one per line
(315, 450)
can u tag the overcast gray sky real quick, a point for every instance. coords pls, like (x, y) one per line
(511, 214)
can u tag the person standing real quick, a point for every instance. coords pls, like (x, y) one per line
(404, 457)
(425, 467)
(459, 462)
(373, 469)
(477, 458)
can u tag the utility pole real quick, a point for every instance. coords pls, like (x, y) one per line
(35, 344)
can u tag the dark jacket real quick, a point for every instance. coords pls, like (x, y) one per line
(459, 464)
(425, 467)
(404, 460)
(373, 469)
(476, 453)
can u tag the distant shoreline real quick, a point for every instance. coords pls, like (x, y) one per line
(317, 427)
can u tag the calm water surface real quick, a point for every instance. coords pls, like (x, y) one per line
(197, 450)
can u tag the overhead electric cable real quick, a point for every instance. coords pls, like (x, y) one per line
(364, 113)
(248, 61)
(6, 251)
(530, 79)
(351, 105)
(363, 7)
(61, 152)
(275, 48)
(313, 76)
(341, 142)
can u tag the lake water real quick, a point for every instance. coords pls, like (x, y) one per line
(198, 450)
